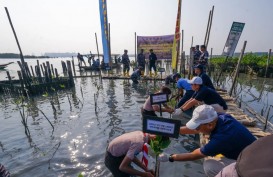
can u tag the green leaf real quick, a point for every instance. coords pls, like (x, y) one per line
(159, 143)
(45, 94)
(80, 175)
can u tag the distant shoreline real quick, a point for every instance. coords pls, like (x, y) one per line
(17, 56)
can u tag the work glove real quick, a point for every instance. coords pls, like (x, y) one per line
(163, 157)
(177, 113)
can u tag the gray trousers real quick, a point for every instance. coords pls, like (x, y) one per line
(213, 165)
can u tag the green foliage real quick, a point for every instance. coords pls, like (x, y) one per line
(172, 103)
(62, 85)
(80, 175)
(249, 59)
(159, 143)
(45, 94)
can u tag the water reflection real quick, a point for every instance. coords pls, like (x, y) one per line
(81, 133)
(252, 91)
(114, 119)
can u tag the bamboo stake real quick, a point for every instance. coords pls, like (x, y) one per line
(267, 115)
(19, 47)
(33, 75)
(10, 81)
(22, 83)
(39, 72)
(109, 45)
(71, 80)
(97, 45)
(73, 65)
(52, 69)
(56, 73)
(49, 71)
(135, 49)
(207, 42)
(42, 69)
(267, 63)
(237, 68)
(98, 53)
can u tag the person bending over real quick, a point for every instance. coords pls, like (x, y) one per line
(227, 137)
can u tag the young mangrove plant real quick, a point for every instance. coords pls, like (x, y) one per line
(21, 107)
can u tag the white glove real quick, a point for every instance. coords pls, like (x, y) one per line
(163, 157)
(177, 113)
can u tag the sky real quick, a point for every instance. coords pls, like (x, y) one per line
(70, 25)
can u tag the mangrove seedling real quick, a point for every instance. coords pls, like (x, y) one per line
(160, 143)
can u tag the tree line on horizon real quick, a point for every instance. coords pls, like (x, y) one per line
(15, 55)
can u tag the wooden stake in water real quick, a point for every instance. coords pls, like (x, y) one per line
(267, 63)
(97, 45)
(237, 69)
(109, 42)
(210, 24)
(73, 65)
(135, 49)
(19, 47)
(267, 116)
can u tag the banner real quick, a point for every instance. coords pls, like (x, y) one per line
(162, 45)
(175, 50)
(104, 30)
(233, 38)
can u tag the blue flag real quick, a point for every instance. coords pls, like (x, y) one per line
(104, 30)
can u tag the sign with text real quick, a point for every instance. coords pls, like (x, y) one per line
(159, 98)
(233, 38)
(161, 45)
(161, 126)
(161, 70)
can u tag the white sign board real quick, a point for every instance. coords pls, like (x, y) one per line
(159, 98)
(233, 38)
(162, 127)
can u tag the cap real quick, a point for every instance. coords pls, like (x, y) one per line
(196, 80)
(183, 84)
(177, 75)
(201, 115)
(199, 67)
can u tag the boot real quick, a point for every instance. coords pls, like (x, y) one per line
(124, 73)
(127, 74)
(151, 75)
(155, 73)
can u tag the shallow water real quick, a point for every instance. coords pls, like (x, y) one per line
(81, 134)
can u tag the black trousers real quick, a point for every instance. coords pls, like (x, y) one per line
(148, 113)
(113, 163)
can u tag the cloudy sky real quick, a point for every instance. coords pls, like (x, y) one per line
(70, 25)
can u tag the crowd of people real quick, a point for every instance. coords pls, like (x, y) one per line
(229, 140)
